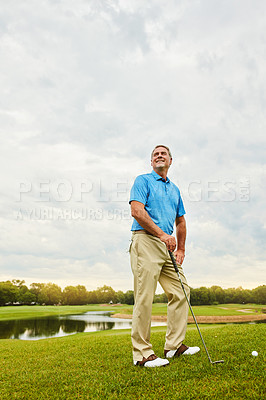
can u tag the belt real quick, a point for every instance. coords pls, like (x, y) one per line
(142, 231)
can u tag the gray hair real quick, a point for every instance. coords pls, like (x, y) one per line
(161, 145)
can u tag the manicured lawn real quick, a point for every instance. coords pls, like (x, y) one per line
(221, 309)
(99, 366)
(19, 312)
(228, 309)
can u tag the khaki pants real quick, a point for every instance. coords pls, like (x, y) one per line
(150, 263)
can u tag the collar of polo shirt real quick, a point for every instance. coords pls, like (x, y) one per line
(158, 177)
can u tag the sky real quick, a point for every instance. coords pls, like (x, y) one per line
(88, 88)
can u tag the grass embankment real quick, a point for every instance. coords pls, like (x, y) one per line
(99, 365)
(216, 310)
(22, 312)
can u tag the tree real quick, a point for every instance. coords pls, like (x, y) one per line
(129, 297)
(120, 297)
(8, 293)
(36, 289)
(259, 295)
(18, 282)
(229, 295)
(70, 295)
(92, 297)
(218, 294)
(75, 295)
(25, 296)
(204, 296)
(82, 294)
(105, 294)
(201, 296)
(50, 294)
(160, 298)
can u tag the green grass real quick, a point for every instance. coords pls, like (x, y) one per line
(99, 366)
(21, 312)
(215, 310)
(228, 309)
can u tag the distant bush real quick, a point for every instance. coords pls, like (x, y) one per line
(16, 292)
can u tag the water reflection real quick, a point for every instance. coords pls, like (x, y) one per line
(40, 328)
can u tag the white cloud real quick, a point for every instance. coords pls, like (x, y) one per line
(88, 89)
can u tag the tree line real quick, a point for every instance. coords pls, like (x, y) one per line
(15, 292)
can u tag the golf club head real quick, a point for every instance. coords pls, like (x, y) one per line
(217, 362)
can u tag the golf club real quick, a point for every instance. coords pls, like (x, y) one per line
(177, 271)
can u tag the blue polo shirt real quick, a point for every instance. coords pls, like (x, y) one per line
(162, 200)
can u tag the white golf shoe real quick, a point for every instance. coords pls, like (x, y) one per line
(182, 350)
(152, 361)
(191, 350)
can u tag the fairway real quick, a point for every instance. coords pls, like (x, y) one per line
(158, 309)
(99, 366)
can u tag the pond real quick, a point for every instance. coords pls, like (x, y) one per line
(48, 327)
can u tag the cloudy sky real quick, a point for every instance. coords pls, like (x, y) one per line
(88, 88)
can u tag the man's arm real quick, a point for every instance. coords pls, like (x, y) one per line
(181, 233)
(142, 217)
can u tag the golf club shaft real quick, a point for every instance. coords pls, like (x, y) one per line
(177, 271)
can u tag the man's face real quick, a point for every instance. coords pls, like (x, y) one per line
(161, 159)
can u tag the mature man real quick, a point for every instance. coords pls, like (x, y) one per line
(156, 206)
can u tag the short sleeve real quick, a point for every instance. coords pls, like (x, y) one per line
(180, 208)
(139, 190)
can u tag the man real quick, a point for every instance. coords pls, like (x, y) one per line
(156, 206)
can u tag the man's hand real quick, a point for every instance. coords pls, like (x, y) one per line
(179, 255)
(169, 241)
